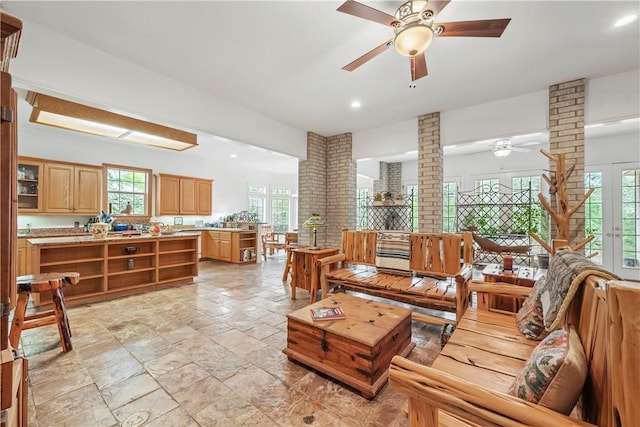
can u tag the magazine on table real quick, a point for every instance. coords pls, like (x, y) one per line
(328, 313)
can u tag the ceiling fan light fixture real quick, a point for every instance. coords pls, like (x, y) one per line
(413, 39)
(502, 148)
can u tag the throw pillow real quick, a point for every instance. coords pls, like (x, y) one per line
(529, 318)
(554, 373)
(393, 250)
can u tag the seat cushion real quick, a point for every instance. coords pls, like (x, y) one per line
(554, 373)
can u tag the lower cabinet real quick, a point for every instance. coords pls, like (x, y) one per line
(231, 246)
(117, 267)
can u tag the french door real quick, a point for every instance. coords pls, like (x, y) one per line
(618, 228)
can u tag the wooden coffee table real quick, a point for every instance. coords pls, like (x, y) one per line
(357, 350)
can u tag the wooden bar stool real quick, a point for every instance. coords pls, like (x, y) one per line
(53, 282)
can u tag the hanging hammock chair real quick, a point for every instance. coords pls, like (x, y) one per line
(491, 246)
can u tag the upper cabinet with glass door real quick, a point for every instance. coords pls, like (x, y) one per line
(29, 186)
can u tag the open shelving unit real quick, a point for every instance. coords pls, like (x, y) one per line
(177, 260)
(247, 245)
(118, 267)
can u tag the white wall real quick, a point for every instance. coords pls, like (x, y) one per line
(155, 97)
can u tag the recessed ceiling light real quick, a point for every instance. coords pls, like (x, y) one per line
(625, 20)
(233, 156)
(412, 152)
(363, 159)
(594, 125)
(355, 104)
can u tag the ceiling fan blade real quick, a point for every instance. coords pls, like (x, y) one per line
(436, 6)
(366, 12)
(368, 56)
(418, 66)
(482, 28)
(520, 150)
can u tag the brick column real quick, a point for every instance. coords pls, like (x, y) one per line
(381, 185)
(327, 186)
(341, 188)
(566, 135)
(390, 178)
(430, 174)
(312, 187)
(394, 177)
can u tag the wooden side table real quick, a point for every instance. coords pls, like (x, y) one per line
(304, 273)
(521, 276)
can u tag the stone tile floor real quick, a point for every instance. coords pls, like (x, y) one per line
(207, 353)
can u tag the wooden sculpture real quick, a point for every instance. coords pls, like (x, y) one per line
(562, 214)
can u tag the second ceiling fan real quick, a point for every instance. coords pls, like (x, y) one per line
(414, 28)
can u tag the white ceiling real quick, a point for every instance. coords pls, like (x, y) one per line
(283, 59)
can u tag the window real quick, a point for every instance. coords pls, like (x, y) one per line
(449, 194)
(412, 190)
(258, 189)
(128, 186)
(631, 218)
(362, 208)
(487, 214)
(280, 208)
(256, 201)
(593, 215)
(256, 206)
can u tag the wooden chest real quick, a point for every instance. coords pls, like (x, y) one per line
(357, 350)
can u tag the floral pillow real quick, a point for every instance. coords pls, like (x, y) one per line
(554, 373)
(530, 319)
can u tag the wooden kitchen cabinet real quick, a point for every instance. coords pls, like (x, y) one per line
(237, 246)
(29, 186)
(204, 197)
(114, 267)
(181, 195)
(168, 200)
(71, 188)
(188, 196)
(216, 245)
(23, 260)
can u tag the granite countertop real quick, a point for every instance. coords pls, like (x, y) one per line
(110, 238)
(223, 229)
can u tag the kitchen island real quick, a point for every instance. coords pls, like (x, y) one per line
(116, 266)
(235, 245)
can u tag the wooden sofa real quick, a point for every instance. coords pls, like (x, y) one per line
(440, 267)
(467, 383)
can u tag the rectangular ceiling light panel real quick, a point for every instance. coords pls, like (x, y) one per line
(65, 114)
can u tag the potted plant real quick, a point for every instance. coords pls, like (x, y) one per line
(377, 199)
(388, 198)
(400, 199)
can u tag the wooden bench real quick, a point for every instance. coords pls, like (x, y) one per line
(440, 268)
(467, 383)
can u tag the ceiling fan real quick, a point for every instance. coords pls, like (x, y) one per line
(504, 147)
(414, 28)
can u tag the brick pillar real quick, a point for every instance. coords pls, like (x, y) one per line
(394, 177)
(312, 187)
(381, 185)
(341, 188)
(430, 174)
(327, 186)
(566, 135)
